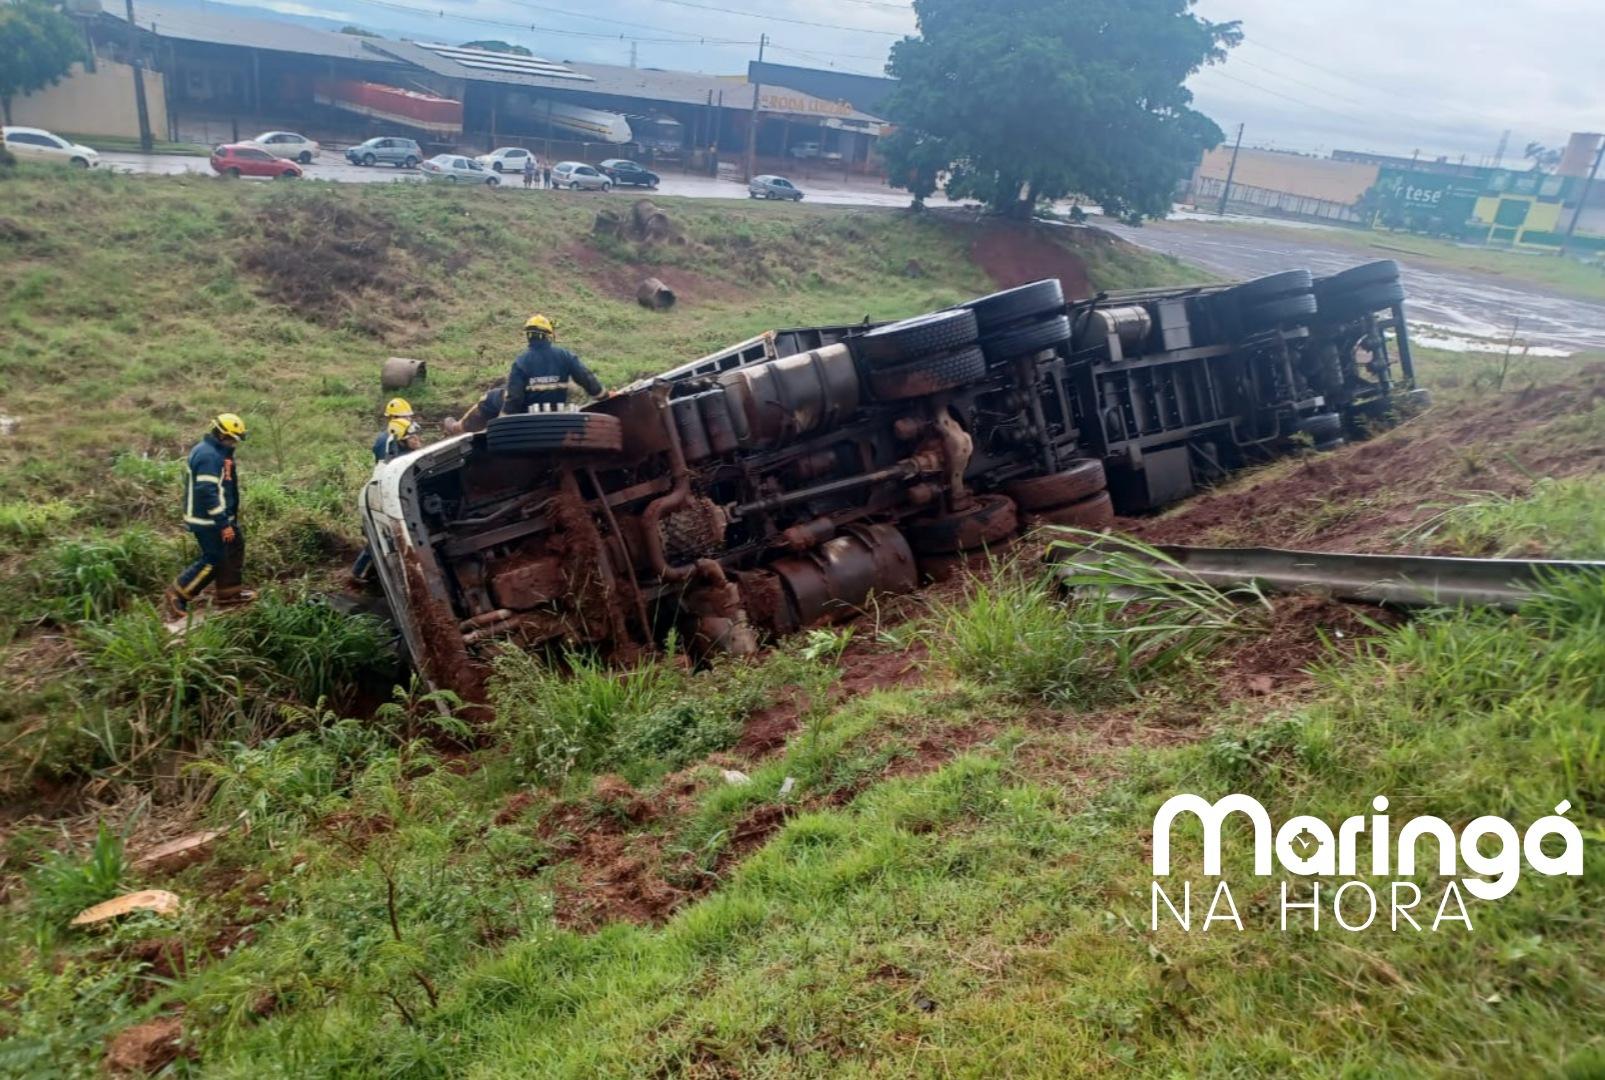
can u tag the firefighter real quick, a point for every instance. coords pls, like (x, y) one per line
(479, 414)
(212, 513)
(543, 373)
(398, 437)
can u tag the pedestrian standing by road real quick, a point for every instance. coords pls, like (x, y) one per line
(398, 437)
(529, 172)
(543, 373)
(546, 174)
(212, 514)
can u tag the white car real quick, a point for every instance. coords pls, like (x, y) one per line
(576, 176)
(287, 144)
(37, 144)
(456, 169)
(505, 159)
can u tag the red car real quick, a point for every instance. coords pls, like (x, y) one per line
(233, 159)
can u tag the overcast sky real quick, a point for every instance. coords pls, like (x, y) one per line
(1445, 77)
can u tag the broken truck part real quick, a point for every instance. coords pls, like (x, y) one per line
(777, 483)
(1396, 580)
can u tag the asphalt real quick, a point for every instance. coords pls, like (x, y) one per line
(827, 189)
(1462, 309)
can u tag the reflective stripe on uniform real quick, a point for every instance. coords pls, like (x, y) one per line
(192, 520)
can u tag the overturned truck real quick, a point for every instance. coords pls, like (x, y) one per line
(778, 483)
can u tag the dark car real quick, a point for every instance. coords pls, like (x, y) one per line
(623, 172)
(233, 159)
(386, 150)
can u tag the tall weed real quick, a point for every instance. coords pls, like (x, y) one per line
(92, 578)
(318, 651)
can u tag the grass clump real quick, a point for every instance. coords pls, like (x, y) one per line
(64, 883)
(94, 577)
(1560, 519)
(1096, 626)
(316, 650)
(29, 522)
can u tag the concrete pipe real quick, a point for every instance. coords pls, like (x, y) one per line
(399, 372)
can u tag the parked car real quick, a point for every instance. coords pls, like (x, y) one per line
(386, 149)
(37, 144)
(456, 169)
(773, 187)
(624, 173)
(805, 150)
(576, 176)
(505, 159)
(243, 159)
(287, 144)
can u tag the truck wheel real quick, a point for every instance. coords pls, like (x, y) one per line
(988, 520)
(903, 341)
(538, 433)
(1372, 273)
(1031, 338)
(1281, 309)
(928, 375)
(999, 309)
(1361, 301)
(1094, 512)
(1323, 430)
(1287, 283)
(1083, 478)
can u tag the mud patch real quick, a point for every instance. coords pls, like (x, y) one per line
(1020, 254)
(619, 279)
(1301, 631)
(145, 1048)
(336, 264)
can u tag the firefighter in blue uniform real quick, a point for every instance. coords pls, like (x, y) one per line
(212, 513)
(543, 373)
(397, 438)
(480, 413)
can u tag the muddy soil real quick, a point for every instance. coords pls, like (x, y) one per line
(1020, 254)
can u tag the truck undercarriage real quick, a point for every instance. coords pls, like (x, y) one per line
(778, 483)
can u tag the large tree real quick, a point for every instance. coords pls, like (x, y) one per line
(1027, 100)
(38, 45)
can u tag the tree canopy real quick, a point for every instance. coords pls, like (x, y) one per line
(1019, 101)
(38, 45)
(498, 46)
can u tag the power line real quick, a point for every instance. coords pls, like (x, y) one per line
(1368, 85)
(505, 24)
(689, 37)
(1299, 82)
(1277, 93)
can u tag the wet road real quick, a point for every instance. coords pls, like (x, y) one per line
(1464, 304)
(828, 189)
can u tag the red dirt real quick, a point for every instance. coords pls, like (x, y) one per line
(619, 280)
(1019, 254)
(865, 667)
(1364, 496)
(1301, 630)
(145, 1048)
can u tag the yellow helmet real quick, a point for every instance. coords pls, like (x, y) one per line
(398, 407)
(228, 425)
(399, 426)
(539, 324)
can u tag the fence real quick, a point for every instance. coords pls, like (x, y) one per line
(1245, 199)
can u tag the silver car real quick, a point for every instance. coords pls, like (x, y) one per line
(456, 169)
(578, 176)
(387, 150)
(773, 187)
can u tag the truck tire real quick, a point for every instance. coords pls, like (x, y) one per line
(1287, 283)
(1361, 301)
(903, 341)
(1372, 273)
(1322, 429)
(999, 309)
(1282, 309)
(1082, 478)
(1094, 512)
(1028, 339)
(928, 375)
(988, 520)
(533, 433)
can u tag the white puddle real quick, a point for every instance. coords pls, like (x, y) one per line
(1436, 337)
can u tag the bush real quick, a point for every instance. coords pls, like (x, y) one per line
(94, 578)
(27, 522)
(318, 651)
(63, 884)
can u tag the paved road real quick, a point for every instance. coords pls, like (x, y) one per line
(1466, 305)
(831, 190)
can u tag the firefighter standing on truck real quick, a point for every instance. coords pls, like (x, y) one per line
(543, 373)
(212, 513)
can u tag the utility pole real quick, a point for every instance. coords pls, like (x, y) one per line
(145, 143)
(1582, 200)
(1231, 170)
(632, 54)
(752, 120)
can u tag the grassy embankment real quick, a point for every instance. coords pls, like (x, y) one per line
(1568, 276)
(955, 880)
